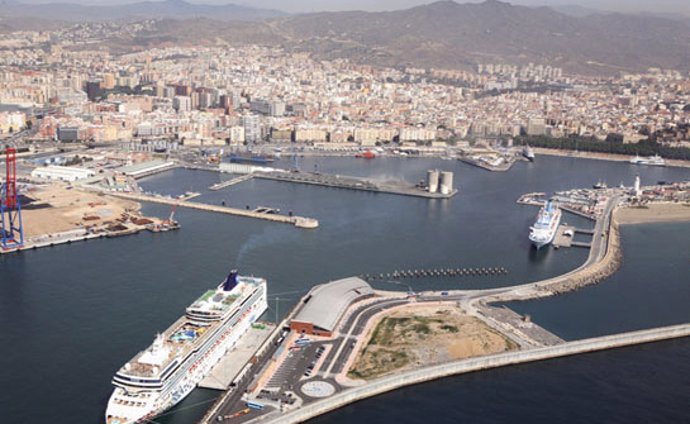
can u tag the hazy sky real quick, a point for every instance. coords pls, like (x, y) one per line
(298, 6)
(294, 6)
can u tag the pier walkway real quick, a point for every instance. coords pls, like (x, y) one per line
(298, 221)
(236, 361)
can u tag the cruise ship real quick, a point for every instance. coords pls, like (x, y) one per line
(544, 229)
(167, 371)
(655, 160)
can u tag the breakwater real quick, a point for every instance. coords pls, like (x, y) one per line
(422, 375)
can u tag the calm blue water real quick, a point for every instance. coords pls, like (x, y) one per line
(72, 315)
(651, 289)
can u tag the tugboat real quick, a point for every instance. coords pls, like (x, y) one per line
(528, 153)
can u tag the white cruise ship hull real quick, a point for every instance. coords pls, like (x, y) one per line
(539, 244)
(125, 408)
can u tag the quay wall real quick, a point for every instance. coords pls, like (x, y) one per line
(422, 375)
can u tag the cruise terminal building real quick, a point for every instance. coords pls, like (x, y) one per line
(324, 306)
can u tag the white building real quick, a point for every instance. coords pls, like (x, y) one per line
(237, 134)
(62, 173)
(417, 134)
(252, 128)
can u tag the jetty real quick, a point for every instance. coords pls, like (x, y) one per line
(354, 183)
(297, 221)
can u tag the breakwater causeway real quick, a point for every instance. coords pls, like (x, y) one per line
(393, 382)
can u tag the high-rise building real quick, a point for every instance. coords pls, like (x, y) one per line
(252, 128)
(182, 103)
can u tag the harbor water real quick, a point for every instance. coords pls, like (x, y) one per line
(73, 314)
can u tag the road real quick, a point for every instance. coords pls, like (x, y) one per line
(290, 376)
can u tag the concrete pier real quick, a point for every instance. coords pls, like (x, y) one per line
(231, 182)
(353, 183)
(230, 367)
(562, 239)
(298, 221)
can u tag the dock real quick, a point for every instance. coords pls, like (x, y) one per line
(234, 362)
(74, 236)
(353, 183)
(297, 221)
(231, 182)
(565, 235)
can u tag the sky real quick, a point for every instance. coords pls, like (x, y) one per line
(631, 6)
(302, 6)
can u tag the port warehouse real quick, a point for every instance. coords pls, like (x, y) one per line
(324, 306)
(73, 173)
(145, 168)
(62, 173)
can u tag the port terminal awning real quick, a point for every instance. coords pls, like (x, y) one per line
(229, 367)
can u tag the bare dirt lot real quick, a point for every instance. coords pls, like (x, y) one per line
(57, 208)
(424, 335)
(660, 212)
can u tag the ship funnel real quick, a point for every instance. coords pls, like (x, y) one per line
(231, 281)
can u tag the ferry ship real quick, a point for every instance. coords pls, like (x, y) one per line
(166, 372)
(251, 158)
(544, 230)
(655, 160)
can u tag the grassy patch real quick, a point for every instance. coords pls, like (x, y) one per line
(381, 361)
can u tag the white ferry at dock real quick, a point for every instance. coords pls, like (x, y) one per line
(544, 229)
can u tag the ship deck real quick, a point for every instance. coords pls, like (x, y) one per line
(185, 334)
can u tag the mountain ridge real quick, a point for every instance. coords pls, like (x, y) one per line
(167, 9)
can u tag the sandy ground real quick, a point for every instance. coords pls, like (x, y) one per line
(67, 209)
(423, 335)
(660, 212)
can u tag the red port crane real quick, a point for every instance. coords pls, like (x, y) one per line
(12, 231)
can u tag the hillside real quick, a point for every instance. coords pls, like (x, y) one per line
(444, 34)
(448, 34)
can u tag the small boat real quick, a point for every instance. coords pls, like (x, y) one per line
(600, 185)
